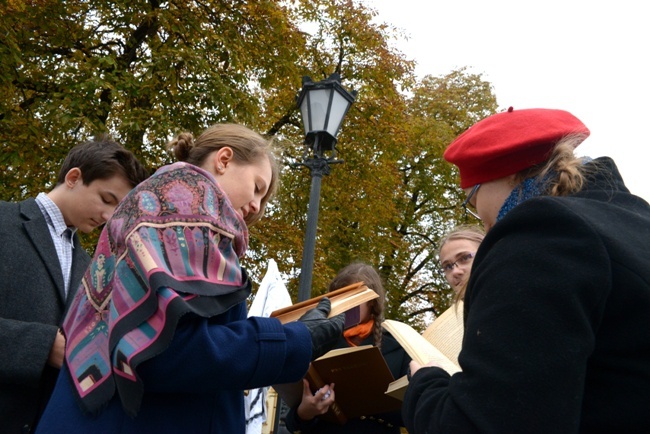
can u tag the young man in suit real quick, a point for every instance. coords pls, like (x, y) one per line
(41, 265)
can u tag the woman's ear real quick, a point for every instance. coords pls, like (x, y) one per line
(221, 159)
(72, 177)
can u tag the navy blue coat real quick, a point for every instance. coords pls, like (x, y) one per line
(197, 384)
(557, 322)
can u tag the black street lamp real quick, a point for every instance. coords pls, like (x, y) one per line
(323, 106)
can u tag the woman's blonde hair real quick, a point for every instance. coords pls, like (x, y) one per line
(564, 173)
(362, 272)
(462, 232)
(471, 233)
(248, 147)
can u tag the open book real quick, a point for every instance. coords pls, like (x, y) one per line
(441, 342)
(360, 375)
(342, 300)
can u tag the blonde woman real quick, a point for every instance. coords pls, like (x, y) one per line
(456, 254)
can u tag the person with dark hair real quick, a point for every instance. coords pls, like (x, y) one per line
(304, 418)
(158, 336)
(41, 265)
(557, 305)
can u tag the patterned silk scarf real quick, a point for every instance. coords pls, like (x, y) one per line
(172, 247)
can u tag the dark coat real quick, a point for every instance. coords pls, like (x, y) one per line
(32, 305)
(557, 322)
(388, 423)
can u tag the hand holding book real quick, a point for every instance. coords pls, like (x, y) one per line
(324, 331)
(315, 311)
(415, 366)
(439, 345)
(360, 373)
(315, 404)
(342, 300)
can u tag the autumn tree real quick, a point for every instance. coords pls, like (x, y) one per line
(341, 38)
(440, 109)
(139, 70)
(145, 70)
(393, 197)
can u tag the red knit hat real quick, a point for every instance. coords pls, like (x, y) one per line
(508, 142)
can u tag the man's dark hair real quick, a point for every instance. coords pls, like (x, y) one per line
(103, 158)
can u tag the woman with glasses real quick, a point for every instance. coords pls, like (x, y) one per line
(557, 337)
(456, 253)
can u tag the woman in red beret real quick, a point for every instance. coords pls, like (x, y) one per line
(557, 337)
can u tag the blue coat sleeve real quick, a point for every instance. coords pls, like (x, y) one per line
(210, 354)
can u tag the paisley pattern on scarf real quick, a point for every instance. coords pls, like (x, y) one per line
(172, 247)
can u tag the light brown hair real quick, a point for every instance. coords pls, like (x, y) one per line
(565, 172)
(247, 145)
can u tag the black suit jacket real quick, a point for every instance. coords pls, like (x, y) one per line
(32, 305)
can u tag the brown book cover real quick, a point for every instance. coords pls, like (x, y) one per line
(360, 376)
(441, 341)
(342, 300)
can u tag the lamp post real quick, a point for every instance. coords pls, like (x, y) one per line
(323, 106)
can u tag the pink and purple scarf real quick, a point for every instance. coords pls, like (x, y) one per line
(172, 247)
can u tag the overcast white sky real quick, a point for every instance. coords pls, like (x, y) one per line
(587, 57)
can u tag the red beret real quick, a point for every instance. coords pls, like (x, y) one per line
(508, 142)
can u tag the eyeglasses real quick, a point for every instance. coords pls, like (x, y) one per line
(466, 259)
(466, 202)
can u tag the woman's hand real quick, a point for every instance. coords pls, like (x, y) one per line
(415, 366)
(313, 405)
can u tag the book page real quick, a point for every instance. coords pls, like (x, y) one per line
(342, 304)
(397, 389)
(341, 300)
(446, 332)
(416, 346)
